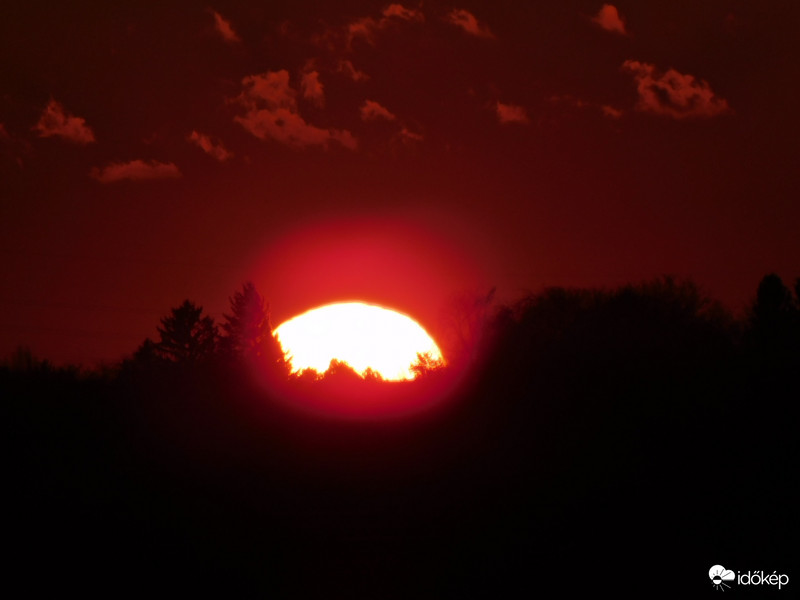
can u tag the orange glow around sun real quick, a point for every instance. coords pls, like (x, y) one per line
(362, 335)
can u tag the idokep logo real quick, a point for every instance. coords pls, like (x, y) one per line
(722, 578)
(719, 576)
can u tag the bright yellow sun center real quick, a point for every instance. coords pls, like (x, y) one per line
(362, 335)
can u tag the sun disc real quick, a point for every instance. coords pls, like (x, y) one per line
(362, 335)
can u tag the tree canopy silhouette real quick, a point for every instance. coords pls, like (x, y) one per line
(426, 364)
(773, 335)
(463, 322)
(248, 331)
(775, 312)
(187, 336)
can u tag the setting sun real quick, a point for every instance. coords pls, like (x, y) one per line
(362, 335)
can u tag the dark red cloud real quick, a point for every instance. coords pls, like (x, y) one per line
(367, 28)
(56, 121)
(346, 67)
(469, 23)
(364, 27)
(271, 113)
(135, 170)
(511, 113)
(606, 110)
(312, 88)
(611, 112)
(408, 136)
(373, 111)
(212, 148)
(224, 28)
(674, 94)
(401, 12)
(609, 19)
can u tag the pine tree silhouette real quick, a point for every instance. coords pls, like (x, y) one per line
(248, 331)
(186, 336)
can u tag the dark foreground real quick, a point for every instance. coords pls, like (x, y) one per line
(595, 447)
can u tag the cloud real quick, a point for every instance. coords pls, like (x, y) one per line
(135, 170)
(608, 18)
(372, 111)
(345, 138)
(401, 12)
(367, 27)
(271, 88)
(312, 88)
(364, 28)
(271, 113)
(409, 136)
(224, 28)
(611, 112)
(56, 121)
(346, 67)
(511, 113)
(571, 101)
(674, 94)
(283, 126)
(204, 142)
(467, 21)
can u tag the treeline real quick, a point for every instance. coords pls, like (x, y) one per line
(596, 432)
(637, 351)
(479, 331)
(187, 338)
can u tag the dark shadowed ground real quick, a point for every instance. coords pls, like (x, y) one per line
(623, 441)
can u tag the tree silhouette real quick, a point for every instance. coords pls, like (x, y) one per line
(307, 375)
(340, 371)
(246, 326)
(774, 304)
(23, 360)
(463, 324)
(147, 354)
(248, 331)
(774, 317)
(426, 364)
(372, 375)
(186, 336)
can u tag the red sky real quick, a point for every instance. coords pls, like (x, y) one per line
(397, 152)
